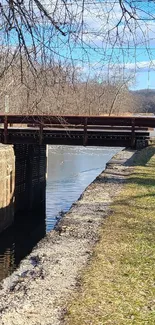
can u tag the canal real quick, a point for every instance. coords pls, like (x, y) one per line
(70, 171)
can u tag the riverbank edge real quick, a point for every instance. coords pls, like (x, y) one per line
(37, 291)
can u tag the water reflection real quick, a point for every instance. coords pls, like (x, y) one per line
(7, 249)
(18, 241)
(70, 171)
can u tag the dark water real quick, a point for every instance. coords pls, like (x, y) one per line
(70, 171)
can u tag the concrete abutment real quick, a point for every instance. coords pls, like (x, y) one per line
(22, 181)
(7, 186)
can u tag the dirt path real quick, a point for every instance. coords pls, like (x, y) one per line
(35, 293)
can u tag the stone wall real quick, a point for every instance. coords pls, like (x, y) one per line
(7, 186)
(22, 181)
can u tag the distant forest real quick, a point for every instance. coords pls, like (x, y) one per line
(144, 100)
(63, 90)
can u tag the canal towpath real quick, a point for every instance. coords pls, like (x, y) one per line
(36, 293)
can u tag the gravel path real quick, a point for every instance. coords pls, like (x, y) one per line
(35, 294)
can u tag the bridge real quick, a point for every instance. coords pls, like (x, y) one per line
(29, 135)
(75, 130)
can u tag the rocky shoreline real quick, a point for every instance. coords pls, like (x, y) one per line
(37, 292)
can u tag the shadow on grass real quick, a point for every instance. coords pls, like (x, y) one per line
(141, 157)
(137, 178)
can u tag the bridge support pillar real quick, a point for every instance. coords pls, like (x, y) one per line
(30, 180)
(133, 134)
(141, 144)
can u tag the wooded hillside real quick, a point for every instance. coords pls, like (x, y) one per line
(64, 90)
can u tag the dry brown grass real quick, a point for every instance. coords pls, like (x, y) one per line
(118, 286)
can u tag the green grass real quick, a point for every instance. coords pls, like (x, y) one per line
(118, 285)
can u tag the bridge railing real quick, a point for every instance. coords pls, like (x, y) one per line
(86, 123)
(80, 120)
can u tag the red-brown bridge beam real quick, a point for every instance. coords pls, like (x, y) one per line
(79, 120)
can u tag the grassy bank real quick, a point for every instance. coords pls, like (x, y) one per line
(118, 285)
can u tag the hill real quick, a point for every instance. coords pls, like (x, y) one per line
(144, 100)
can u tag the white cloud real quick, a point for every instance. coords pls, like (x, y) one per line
(101, 23)
(140, 66)
(99, 28)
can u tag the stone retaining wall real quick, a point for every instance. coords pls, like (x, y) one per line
(22, 181)
(7, 184)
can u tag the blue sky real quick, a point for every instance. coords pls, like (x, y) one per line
(129, 48)
(102, 50)
(96, 47)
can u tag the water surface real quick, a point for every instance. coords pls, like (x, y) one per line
(70, 171)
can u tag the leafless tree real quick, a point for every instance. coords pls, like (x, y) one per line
(47, 42)
(61, 90)
(47, 30)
